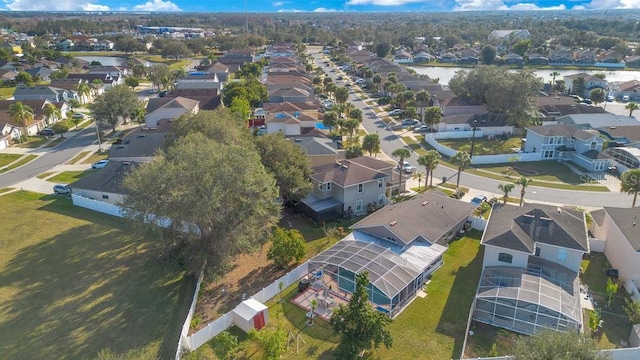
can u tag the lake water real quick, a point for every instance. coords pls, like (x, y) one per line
(446, 73)
(105, 60)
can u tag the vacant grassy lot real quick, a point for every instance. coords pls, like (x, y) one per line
(434, 325)
(73, 282)
(69, 177)
(482, 146)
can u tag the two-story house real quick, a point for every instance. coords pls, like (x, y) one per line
(50, 93)
(400, 246)
(591, 82)
(532, 257)
(348, 188)
(159, 109)
(566, 143)
(199, 80)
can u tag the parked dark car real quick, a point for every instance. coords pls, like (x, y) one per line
(46, 132)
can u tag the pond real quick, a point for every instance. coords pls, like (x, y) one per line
(105, 60)
(444, 74)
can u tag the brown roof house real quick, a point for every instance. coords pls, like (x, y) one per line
(532, 256)
(290, 123)
(168, 109)
(39, 122)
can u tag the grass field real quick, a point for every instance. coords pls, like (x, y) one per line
(6, 159)
(73, 282)
(6, 92)
(69, 177)
(434, 325)
(22, 161)
(483, 146)
(96, 156)
(33, 142)
(79, 157)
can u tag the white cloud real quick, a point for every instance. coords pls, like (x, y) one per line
(470, 5)
(278, 3)
(321, 9)
(613, 4)
(53, 5)
(382, 2)
(157, 5)
(291, 10)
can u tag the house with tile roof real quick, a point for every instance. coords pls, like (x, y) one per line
(347, 188)
(159, 109)
(618, 227)
(532, 257)
(562, 142)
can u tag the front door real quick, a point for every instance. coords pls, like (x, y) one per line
(258, 321)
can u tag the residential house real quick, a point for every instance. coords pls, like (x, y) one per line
(633, 61)
(139, 146)
(509, 36)
(596, 121)
(42, 92)
(290, 124)
(618, 227)
(235, 58)
(40, 72)
(629, 88)
(560, 60)
(552, 107)
(292, 94)
(562, 142)
(361, 57)
(399, 246)
(611, 56)
(99, 82)
(513, 59)
(348, 188)
(591, 82)
(320, 150)
(39, 122)
(535, 59)
(11, 48)
(219, 69)
(532, 257)
(622, 135)
(103, 186)
(103, 45)
(423, 57)
(402, 57)
(8, 77)
(159, 109)
(65, 45)
(469, 60)
(448, 58)
(199, 80)
(113, 71)
(209, 99)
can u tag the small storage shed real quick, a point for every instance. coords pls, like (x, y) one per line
(250, 314)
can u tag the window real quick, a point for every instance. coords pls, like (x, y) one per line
(328, 186)
(320, 187)
(358, 205)
(380, 199)
(548, 154)
(360, 188)
(562, 256)
(105, 196)
(537, 251)
(506, 258)
(380, 184)
(593, 145)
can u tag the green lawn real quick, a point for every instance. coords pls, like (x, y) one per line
(538, 170)
(96, 156)
(22, 161)
(6, 159)
(482, 146)
(73, 282)
(6, 92)
(33, 142)
(78, 157)
(434, 325)
(69, 177)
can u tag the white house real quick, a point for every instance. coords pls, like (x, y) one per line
(295, 123)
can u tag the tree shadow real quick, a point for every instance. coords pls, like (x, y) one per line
(86, 289)
(453, 321)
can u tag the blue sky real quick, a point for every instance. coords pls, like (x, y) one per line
(313, 5)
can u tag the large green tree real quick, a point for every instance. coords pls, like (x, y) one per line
(214, 200)
(159, 74)
(630, 184)
(114, 106)
(360, 326)
(371, 144)
(21, 115)
(286, 245)
(488, 55)
(430, 161)
(288, 163)
(597, 96)
(253, 90)
(557, 345)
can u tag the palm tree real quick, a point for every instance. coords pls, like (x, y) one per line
(506, 189)
(630, 184)
(83, 90)
(419, 175)
(422, 98)
(632, 107)
(430, 161)
(554, 74)
(462, 159)
(523, 182)
(401, 154)
(52, 112)
(21, 114)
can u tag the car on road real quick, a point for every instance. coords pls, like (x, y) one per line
(407, 167)
(61, 189)
(395, 112)
(410, 122)
(78, 116)
(100, 164)
(586, 101)
(610, 98)
(46, 132)
(479, 199)
(625, 98)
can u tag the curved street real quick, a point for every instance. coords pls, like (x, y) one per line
(389, 141)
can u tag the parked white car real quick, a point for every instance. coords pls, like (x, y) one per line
(395, 112)
(407, 167)
(100, 164)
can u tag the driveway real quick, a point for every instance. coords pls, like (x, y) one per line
(389, 141)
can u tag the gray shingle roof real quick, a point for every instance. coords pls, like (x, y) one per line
(429, 216)
(315, 146)
(561, 130)
(108, 179)
(628, 221)
(597, 121)
(346, 173)
(519, 228)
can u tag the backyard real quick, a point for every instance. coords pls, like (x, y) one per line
(74, 282)
(436, 323)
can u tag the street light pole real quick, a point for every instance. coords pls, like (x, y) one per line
(473, 137)
(98, 134)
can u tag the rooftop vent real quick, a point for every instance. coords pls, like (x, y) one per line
(559, 209)
(425, 203)
(297, 140)
(393, 223)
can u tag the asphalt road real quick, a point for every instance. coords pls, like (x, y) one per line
(55, 156)
(389, 141)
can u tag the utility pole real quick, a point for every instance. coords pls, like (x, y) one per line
(98, 134)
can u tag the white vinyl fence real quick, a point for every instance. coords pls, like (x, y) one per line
(201, 337)
(96, 205)
(478, 223)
